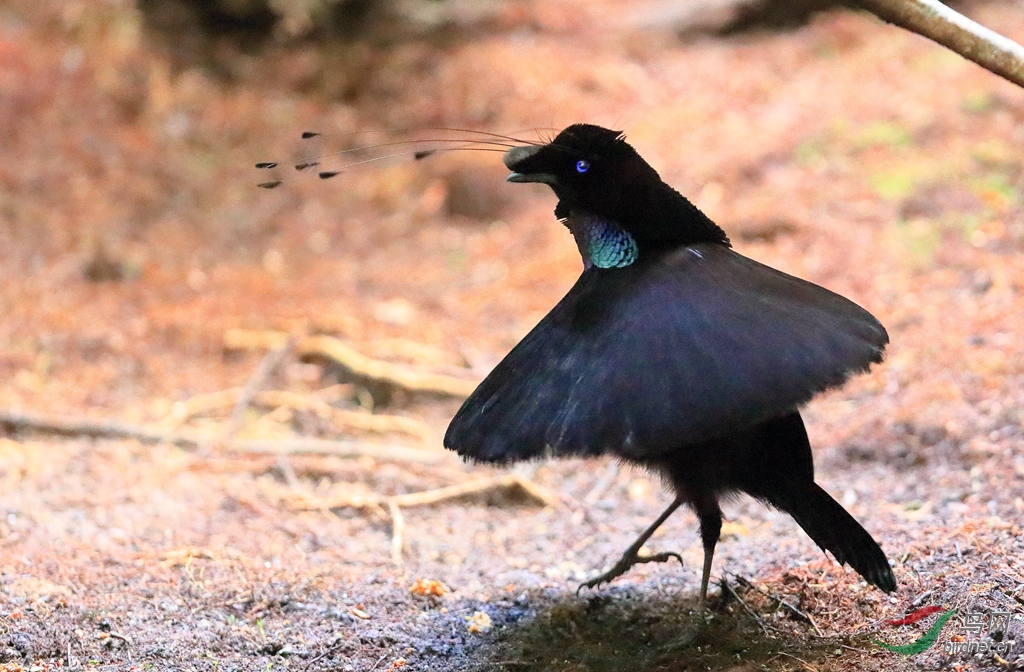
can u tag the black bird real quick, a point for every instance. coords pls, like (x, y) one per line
(675, 353)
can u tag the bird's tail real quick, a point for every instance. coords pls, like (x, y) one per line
(834, 529)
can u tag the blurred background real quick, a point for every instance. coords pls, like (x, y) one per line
(133, 235)
(134, 240)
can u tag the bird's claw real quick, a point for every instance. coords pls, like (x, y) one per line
(624, 564)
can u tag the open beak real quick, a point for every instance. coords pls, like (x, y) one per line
(514, 160)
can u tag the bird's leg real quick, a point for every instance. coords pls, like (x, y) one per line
(631, 557)
(710, 517)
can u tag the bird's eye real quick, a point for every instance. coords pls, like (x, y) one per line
(582, 166)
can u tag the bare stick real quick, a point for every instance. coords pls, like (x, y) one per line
(806, 665)
(207, 402)
(397, 529)
(359, 420)
(386, 372)
(81, 428)
(508, 481)
(313, 403)
(806, 618)
(953, 30)
(746, 607)
(117, 635)
(358, 364)
(334, 648)
(268, 365)
(394, 503)
(288, 471)
(303, 446)
(426, 497)
(76, 428)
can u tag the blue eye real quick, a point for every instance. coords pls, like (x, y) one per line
(582, 166)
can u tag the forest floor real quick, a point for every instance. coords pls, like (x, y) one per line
(134, 240)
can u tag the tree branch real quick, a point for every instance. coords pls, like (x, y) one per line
(13, 423)
(357, 364)
(953, 30)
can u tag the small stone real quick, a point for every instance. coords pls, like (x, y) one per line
(479, 622)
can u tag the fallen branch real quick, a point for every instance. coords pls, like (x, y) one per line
(116, 635)
(973, 41)
(200, 404)
(426, 497)
(746, 607)
(360, 420)
(339, 644)
(397, 530)
(79, 428)
(412, 352)
(268, 365)
(305, 446)
(12, 422)
(807, 666)
(278, 399)
(806, 618)
(394, 503)
(358, 365)
(284, 465)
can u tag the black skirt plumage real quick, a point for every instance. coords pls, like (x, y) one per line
(687, 347)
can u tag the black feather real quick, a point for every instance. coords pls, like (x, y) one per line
(674, 352)
(686, 348)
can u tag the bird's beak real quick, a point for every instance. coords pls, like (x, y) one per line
(517, 160)
(543, 178)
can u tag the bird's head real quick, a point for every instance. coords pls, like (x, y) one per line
(587, 166)
(595, 173)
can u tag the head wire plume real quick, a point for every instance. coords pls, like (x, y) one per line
(419, 149)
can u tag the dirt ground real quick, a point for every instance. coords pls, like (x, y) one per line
(133, 239)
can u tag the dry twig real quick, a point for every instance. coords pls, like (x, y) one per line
(12, 422)
(426, 497)
(334, 648)
(285, 466)
(806, 618)
(359, 420)
(413, 352)
(78, 428)
(357, 364)
(395, 503)
(304, 446)
(397, 530)
(760, 621)
(268, 365)
(313, 403)
(807, 666)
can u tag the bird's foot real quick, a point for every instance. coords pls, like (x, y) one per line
(625, 563)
